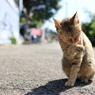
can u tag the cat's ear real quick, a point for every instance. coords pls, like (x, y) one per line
(75, 20)
(57, 23)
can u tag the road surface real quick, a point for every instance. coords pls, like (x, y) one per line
(36, 70)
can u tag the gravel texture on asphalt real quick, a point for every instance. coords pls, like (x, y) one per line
(36, 70)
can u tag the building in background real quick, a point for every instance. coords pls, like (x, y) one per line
(9, 21)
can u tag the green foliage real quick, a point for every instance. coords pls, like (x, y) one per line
(89, 29)
(53, 35)
(42, 9)
(52, 38)
(13, 40)
(22, 20)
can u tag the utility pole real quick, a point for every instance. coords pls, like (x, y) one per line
(21, 5)
(66, 9)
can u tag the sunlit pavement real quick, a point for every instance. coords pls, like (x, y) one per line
(36, 70)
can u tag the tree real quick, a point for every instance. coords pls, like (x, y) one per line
(42, 9)
(89, 29)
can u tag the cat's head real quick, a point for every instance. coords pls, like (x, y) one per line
(68, 29)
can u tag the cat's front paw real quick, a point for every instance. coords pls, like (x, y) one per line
(80, 48)
(69, 84)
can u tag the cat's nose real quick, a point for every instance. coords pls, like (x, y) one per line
(73, 40)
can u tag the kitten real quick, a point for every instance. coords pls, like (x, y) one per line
(78, 60)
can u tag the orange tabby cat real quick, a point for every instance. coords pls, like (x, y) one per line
(78, 60)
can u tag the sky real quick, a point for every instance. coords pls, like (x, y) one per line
(69, 7)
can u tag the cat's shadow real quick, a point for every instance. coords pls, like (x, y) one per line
(54, 87)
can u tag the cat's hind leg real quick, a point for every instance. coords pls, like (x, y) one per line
(87, 71)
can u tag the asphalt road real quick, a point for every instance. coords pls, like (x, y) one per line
(36, 70)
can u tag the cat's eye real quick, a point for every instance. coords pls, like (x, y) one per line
(70, 40)
(75, 39)
(61, 32)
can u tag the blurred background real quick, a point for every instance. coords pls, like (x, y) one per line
(30, 21)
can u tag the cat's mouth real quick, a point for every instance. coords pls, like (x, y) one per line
(72, 43)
